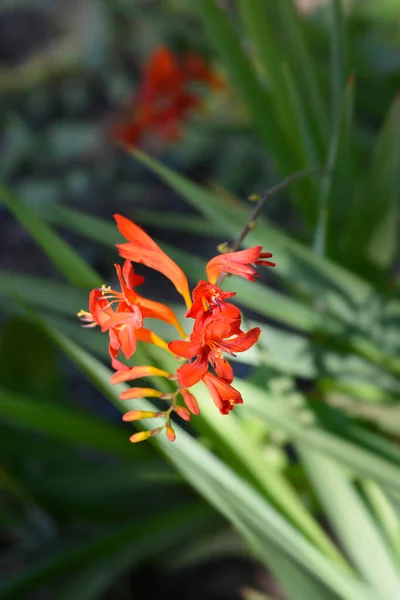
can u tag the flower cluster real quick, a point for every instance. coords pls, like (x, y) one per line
(216, 328)
(164, 98)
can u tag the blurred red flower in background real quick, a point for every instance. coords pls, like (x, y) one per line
(165, 98)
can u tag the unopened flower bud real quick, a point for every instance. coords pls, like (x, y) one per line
(144, 435)
(170, 433)
(190, 402)
(183, 413)
(136, 415)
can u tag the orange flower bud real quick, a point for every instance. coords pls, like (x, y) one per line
(190, 402)
(144, 435)
(138, 392)
(170, 433)
(183, 413)
(136, 415)
(136, 373)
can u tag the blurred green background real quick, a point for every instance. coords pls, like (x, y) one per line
(296, 496)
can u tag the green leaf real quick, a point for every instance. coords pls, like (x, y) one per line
(275, 412)
(352, 522)
(243, 454)
(287, 104)
(64, 424)
(374, 236)
(76, 270)
(341, 188)
(289, 34)
(132, 542)
(242, 75)
(234, 498)
(385, 514)
(332, 181)
(49, 295)
(339, 59)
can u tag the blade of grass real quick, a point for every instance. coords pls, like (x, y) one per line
(76, 270)
(385, 514)
(287, 104)
(241, 452)
(66, 424)
(362, 461)
(233, 497)
(140, 538)
(339, 61)
(374, 236)
(353, 524)
(288, 29)
(242, 75)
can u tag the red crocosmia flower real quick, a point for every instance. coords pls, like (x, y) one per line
(240, 263)
(125, 324)
(217, 327)
(122, 326)
(142, 249)
(207, 345)
(206, 298)
(224, 395)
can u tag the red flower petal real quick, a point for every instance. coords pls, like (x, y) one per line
(142, 249)
(190, 373)
(224, 395)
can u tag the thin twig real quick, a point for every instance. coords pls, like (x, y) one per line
(251, 222)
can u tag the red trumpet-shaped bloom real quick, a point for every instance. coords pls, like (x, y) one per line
(207, 298)
(207, 345)
(224, 395)
(121, 314)
(240, 263)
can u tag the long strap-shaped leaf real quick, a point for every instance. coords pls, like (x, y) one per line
(133, 539)
(352, 521)
(76, 270)
(363, 462)
(244, 507)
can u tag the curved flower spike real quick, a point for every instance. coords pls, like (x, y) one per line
(142, 249)
(240, 263)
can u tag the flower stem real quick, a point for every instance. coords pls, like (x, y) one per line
(264, 197)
